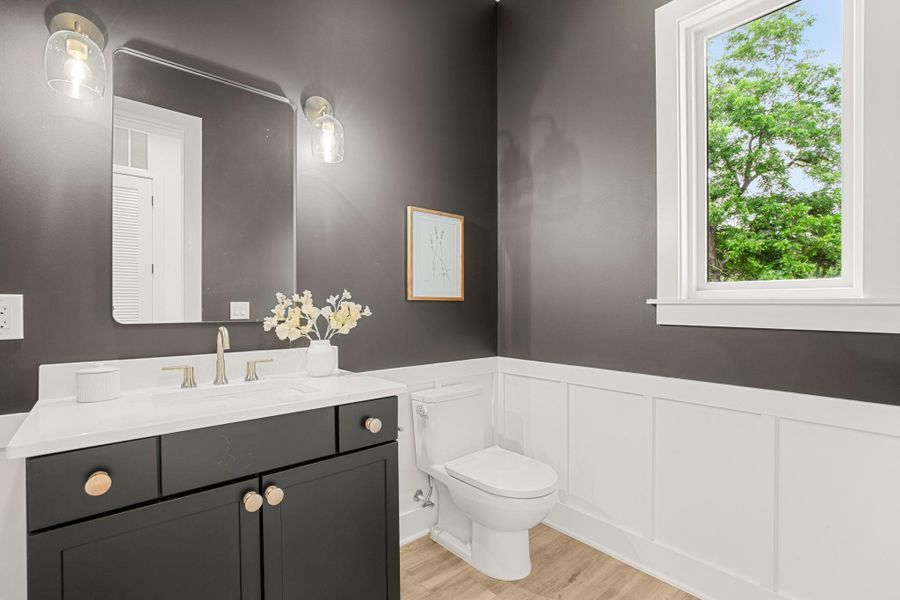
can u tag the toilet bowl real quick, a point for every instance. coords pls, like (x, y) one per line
(489, 497)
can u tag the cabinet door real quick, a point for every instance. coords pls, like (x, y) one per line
(205, 545)
(335, 534)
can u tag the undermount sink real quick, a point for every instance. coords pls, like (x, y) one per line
(248, 389)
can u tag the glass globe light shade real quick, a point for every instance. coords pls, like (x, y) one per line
(328, 139)
(74, 65)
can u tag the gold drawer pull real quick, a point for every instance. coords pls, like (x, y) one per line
(373, 424)
(274, 495)
(252, 502)
(98, 483)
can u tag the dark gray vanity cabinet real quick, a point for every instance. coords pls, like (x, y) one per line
(335, 534)
(204, 545)
(329, 531)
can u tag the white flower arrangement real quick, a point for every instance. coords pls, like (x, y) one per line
(297, 316)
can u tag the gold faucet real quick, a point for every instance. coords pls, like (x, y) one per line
(222, 344)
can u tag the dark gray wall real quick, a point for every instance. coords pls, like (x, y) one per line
(248, 181)
(578, 218)
(413, 81)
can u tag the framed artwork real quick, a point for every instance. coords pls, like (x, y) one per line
(435, 255)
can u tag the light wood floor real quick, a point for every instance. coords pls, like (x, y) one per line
(562, 569)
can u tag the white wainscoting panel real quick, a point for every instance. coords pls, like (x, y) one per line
(838, 513)
(609, 456)
(534, 419)
(727, 492)
(12, 516)
(709, 483)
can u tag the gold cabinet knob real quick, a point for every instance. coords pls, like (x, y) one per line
(252, 502)
(274, 495)
(373, 424)
(98, 483)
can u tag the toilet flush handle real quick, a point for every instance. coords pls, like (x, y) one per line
(422, 411)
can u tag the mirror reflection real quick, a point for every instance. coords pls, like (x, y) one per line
(202, 195)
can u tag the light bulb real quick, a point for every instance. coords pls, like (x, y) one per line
(328, 140)
(79, 74)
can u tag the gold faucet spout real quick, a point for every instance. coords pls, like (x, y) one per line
(222, 344)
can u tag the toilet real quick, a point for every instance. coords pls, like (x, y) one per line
(488, 497)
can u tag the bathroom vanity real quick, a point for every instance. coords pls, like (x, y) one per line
(292, 493)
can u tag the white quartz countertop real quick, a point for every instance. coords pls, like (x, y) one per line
(62, 424)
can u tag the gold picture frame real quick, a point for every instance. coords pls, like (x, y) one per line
(442, 285)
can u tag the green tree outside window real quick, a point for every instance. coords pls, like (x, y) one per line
(774, 154)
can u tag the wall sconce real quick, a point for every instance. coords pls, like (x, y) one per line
(328, 133)
(73, 58)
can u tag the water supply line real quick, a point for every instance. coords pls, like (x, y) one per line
(428, 503)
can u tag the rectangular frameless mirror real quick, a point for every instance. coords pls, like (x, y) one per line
(203, 198)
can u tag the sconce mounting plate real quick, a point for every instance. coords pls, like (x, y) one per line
(315, 107)
(70, 21)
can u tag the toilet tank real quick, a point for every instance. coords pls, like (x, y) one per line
(449, 422)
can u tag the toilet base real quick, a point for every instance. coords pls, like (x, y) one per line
(503, 555)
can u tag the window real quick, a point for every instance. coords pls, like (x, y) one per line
(773, 147)
(130, 148)
(760, 141)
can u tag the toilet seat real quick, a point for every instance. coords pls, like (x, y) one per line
(503, 473)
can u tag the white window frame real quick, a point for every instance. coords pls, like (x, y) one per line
(866, 297)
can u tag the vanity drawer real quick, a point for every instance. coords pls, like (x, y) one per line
(58, 483)
(202, 457)
(353, 431)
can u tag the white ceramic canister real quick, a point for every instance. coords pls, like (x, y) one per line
(97, 383)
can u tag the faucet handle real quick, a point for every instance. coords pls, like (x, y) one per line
(251, 368)
(187, 375)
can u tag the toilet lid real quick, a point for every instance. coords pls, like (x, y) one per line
(504, 473)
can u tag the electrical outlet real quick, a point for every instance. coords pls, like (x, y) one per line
(11, 317)
(240, 310)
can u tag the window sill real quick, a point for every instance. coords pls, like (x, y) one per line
(840, 314)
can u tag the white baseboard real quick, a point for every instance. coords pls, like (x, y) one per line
(416, 524)
(657, 561)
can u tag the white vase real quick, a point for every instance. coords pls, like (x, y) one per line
(321, 358)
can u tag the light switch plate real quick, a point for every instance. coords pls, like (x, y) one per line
(12, 317)
(240, 310)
